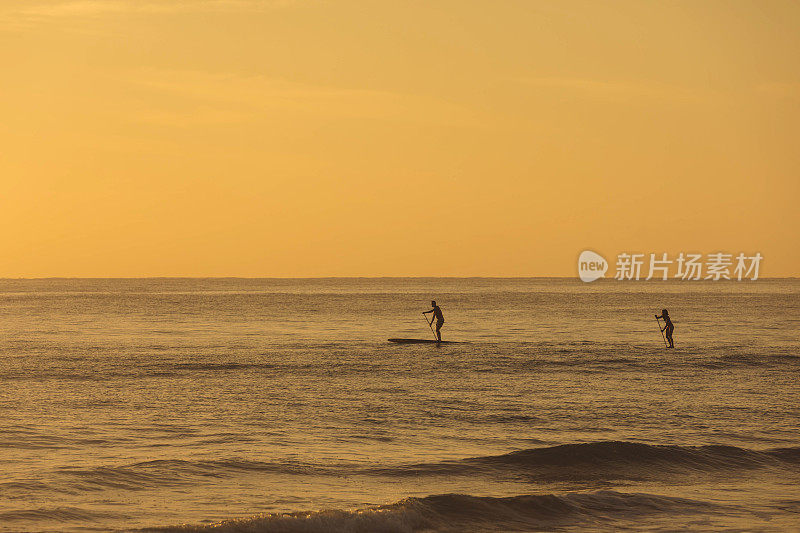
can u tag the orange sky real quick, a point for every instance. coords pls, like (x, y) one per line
(305, 138)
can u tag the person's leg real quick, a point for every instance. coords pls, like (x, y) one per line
(669, 337)
(439, 331)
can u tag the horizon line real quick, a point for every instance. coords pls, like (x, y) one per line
(24, 278)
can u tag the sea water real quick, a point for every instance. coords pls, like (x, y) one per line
(278, 405)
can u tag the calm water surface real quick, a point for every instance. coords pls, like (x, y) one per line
(130, 404)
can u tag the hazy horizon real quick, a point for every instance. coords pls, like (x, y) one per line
(761, 278)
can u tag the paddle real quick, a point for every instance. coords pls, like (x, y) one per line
(431, 326)
(662, 332)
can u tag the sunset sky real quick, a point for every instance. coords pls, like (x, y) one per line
(308, 138)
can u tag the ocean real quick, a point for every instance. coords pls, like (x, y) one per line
(277, 405)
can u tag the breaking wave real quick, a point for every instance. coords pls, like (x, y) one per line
(610, 460)
(463, 513)
(598, 461)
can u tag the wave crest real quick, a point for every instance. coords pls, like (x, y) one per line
(461, 512)
(609, 460)
(613, 460)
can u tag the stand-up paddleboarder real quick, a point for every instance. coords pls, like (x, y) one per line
(437, 314)
(668, 327)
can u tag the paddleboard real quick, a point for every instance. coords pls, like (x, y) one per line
(421, 341)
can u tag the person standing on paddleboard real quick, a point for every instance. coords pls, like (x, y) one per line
(437, 314)
(668, 327)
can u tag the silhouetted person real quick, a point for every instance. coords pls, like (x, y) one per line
(437, 314)
(668, 327)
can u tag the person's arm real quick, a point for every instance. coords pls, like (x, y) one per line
(426, 312)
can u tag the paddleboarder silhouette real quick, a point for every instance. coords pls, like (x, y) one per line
(437, 314)
(668, 327)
